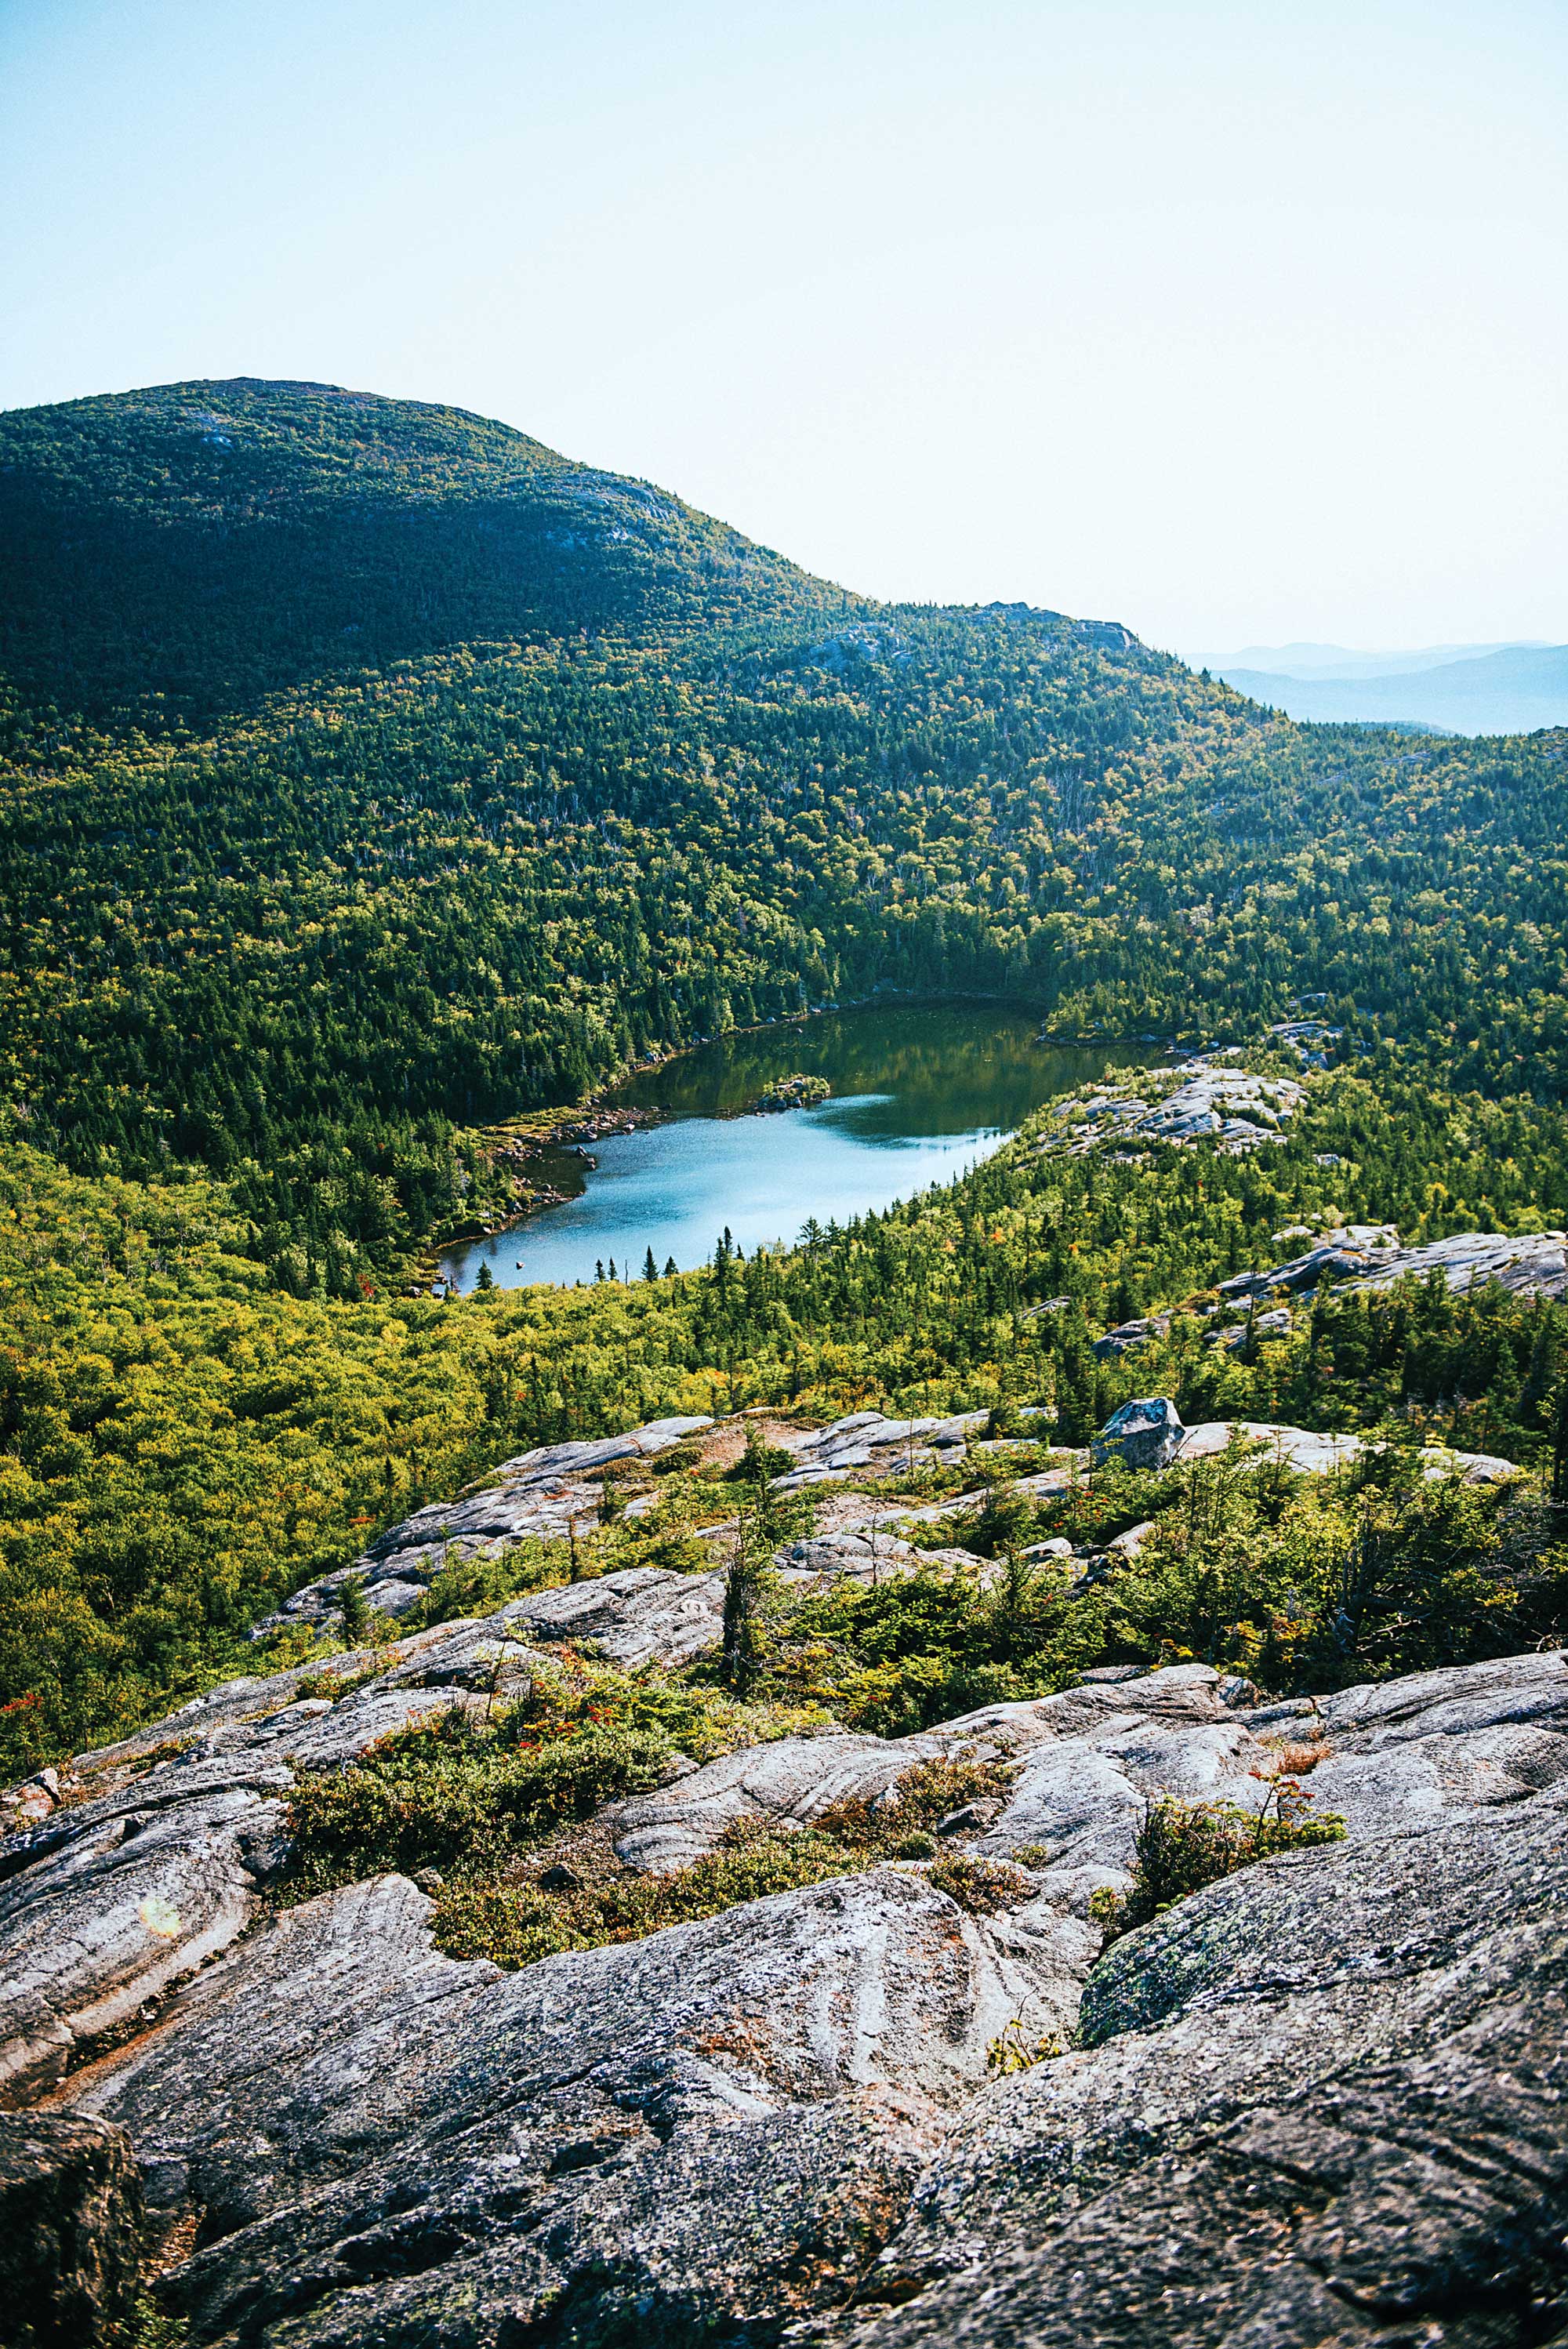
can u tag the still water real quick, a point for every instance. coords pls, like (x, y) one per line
(920, 1093)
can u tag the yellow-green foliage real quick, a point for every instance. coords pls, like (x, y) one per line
(182, 1443)
(1181, 1847)
(468, 1791)
(514, 1919)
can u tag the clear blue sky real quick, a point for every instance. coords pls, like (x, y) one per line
(1237, 322)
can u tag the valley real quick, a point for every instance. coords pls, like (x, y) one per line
(925, 1705)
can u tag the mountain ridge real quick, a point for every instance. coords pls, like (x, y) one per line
(1513, 690)
(213, 539)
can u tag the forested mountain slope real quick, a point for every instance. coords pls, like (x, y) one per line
(371, 773)
(185, 547)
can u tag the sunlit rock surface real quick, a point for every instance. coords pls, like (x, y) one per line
(1343, 2063)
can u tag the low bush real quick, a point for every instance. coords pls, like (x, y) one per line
(1181, 1847)
(515, 1920)
(466, 1794)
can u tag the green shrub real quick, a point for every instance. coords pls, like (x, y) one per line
(1181, 1847)
(515, 1920)
(980, 1885)
(759, 1461)
(457, 1793)
(466, 1794)
(480, 1584)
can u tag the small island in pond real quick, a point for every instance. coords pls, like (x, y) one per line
(795, 1093)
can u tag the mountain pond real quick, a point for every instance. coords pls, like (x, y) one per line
(920, 1093)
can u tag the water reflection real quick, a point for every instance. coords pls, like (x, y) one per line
(920, 1093)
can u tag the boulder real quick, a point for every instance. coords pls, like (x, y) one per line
(70, 2231)
(1127, 1336)
(1146, 1433)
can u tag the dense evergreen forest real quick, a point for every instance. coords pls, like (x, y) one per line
(372, 773)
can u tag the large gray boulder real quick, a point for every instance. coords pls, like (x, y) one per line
(1146, 1433)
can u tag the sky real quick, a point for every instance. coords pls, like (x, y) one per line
(1241, 323)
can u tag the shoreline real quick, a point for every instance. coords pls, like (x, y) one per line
(525, 1143)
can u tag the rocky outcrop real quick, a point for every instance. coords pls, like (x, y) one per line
(868, 1444)
(158, 1862)
(719, 2124)
(1127, 1336)
(781, 2117)
(1368, 1256)
(793, 1782)
(1088, 1760)
(70, 2231)
(1324, 2093)
(136, 1865)
(541, 1495)
(1208, 1099)
(1320, 2103)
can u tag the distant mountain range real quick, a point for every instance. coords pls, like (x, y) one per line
(1510, 688)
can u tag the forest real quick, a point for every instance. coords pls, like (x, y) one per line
(616, 780)
(370, 774)
(185, 1442)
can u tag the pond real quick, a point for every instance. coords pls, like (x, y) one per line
(920, 1093)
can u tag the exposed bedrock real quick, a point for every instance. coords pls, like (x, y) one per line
(70, 2232)
(1324, 2093)
(1322, 2103)
(726, 2118)
(1319, 2103)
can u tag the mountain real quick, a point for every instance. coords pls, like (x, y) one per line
(373, 773)
(504, 1786)
(201, 542)
(1510, 691)
(1323, 661)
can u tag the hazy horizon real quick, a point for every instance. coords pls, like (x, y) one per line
(1245, 333)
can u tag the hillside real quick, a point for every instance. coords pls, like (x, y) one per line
(272, 959)
(182, 549)
(465, 1990)
(372, 773)
(855, 1794)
